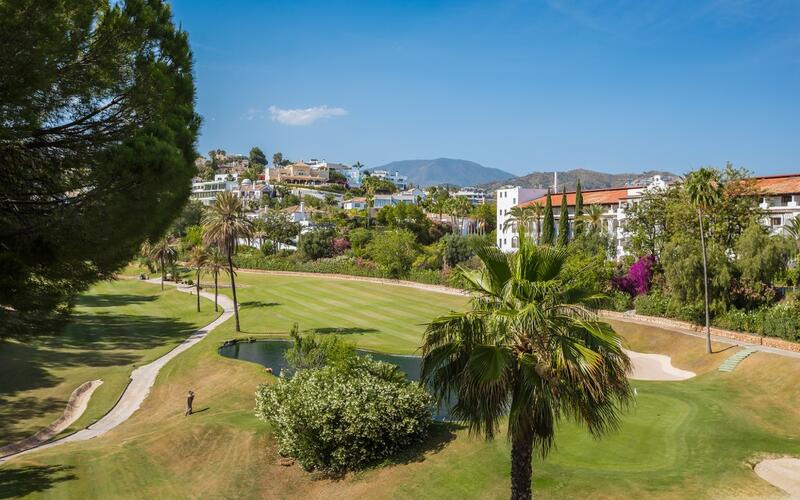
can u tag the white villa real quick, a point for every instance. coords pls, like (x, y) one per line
(474, 195)
(401, 181)
(781, 202)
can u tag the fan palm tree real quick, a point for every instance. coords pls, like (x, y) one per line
(531, 348)
(216, 264)
(223, 225)
(703, 189)
(198, 259)
(163, 252)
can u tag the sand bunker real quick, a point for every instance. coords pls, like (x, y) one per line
(783, 473)
(655, 367)
(76, 405)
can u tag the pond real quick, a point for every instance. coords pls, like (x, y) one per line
(269, 353)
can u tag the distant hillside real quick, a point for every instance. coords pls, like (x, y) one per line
(589, 179)
(445, 171)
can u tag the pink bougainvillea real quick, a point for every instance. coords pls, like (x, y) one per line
(340, 245)
(637, 280)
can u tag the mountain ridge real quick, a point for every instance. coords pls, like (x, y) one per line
(445, 171)
(590, 179)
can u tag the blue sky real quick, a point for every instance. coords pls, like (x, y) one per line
(613, 86)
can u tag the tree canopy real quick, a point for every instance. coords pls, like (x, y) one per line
(97, 135)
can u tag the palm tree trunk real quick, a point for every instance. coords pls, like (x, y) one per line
(521, 469)
(233, 289)
(705, 281)
(198, 290)
(163, 273)
(216, 275)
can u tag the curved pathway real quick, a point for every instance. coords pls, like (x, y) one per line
(142, 380)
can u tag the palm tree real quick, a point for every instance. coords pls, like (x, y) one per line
(223, 226)
(198, 259)
(530, 348)
(164, 252)
(369, 197)
(594, 218)
(537, 213)
(703, 188)
(215, 264)
(521, 217)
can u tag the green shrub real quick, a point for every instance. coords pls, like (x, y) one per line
(619, 301)
(652, 304)
(345, 417)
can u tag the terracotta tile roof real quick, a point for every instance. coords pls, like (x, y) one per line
(590, 197)
(779, 184)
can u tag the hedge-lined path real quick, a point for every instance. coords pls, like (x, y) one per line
(141, 380)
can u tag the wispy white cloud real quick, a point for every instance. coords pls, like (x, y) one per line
(304, 116)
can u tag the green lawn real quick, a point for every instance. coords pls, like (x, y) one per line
(692, 439)
(116, 327)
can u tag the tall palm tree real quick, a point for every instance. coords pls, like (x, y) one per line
(522, 217)
(703, 189)
(216, 264)
(223, 226)
(198, 259)
(531, 348)
(369, 197)
(163, 252)
(537, 214)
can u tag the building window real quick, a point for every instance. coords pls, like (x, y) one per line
(786, 198)
(514, 242)
(775, 221)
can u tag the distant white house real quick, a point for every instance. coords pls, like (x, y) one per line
(401, 181)
(206, 191)
(507, 198)
(380, 200)
(474, 195)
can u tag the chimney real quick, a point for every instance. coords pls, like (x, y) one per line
(555, 182)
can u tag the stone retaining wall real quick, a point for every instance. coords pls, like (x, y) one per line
(719, 332)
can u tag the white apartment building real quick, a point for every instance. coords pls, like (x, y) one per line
(507, 198)
(401, 181)
(206, 191)
(474, 195)
(781, 201)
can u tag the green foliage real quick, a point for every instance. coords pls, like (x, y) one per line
(378, 186)
(761, 257)
(346, 416)
(359, 238)
(257, 157)
(646, 221)
(408, 217)
(193, 238)
(656, 303)
(781, 321)
(456, 249)
(191, 215)
(316, 351)
(563, 221)
(316, 244)
(278, 228)
(578, 210)
(549, 224)
(97, 133)
(682, 261)
(394, 251)
(486, 216)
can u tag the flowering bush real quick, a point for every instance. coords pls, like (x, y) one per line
(749, 294)
(637, 280)
(346, 416)
(340, 245)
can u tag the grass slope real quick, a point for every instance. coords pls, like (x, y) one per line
(692, 439)
(116, 327)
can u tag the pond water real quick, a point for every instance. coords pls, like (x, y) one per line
(269, 353)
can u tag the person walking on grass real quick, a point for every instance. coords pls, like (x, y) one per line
(189, 400)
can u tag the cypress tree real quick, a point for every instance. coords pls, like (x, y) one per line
(578, 221)
(549, 226)
(563, 221)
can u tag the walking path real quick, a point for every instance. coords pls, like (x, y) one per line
(142, 380)
(733, 361)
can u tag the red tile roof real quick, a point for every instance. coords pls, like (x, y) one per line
(590, 197)
(779, 184)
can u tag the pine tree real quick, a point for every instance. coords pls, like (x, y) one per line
(563, 221)
(549, 226)
(578, 220)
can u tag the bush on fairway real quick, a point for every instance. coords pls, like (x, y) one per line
(346, 416)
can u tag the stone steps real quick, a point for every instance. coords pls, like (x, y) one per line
(732, 362)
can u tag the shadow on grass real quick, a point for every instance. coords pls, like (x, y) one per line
(258, 303)
(24, 409)
(114, 299)
(21, 481)
(343, 330)
(717, 351)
